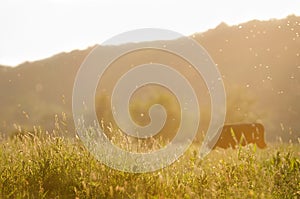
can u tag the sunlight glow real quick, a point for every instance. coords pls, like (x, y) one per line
(32, 29)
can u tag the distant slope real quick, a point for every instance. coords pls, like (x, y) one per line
(263, 58)
(259, 61)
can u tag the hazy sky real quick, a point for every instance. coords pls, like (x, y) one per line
(35, 29)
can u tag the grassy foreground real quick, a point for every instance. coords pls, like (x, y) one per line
(53, 167)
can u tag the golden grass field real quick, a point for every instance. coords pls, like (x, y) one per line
(34, 166)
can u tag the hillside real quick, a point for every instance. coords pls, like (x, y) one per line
(259, 61)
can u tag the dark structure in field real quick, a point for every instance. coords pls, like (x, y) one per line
(233, 135)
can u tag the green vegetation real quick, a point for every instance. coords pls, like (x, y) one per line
(34, 166)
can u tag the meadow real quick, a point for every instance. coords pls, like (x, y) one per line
(50, 166)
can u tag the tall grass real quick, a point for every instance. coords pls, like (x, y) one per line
(35, 166)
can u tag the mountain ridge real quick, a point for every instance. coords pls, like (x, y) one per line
(258, 61)
(220, 25)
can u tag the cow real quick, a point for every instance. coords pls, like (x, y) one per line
(232, 135)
